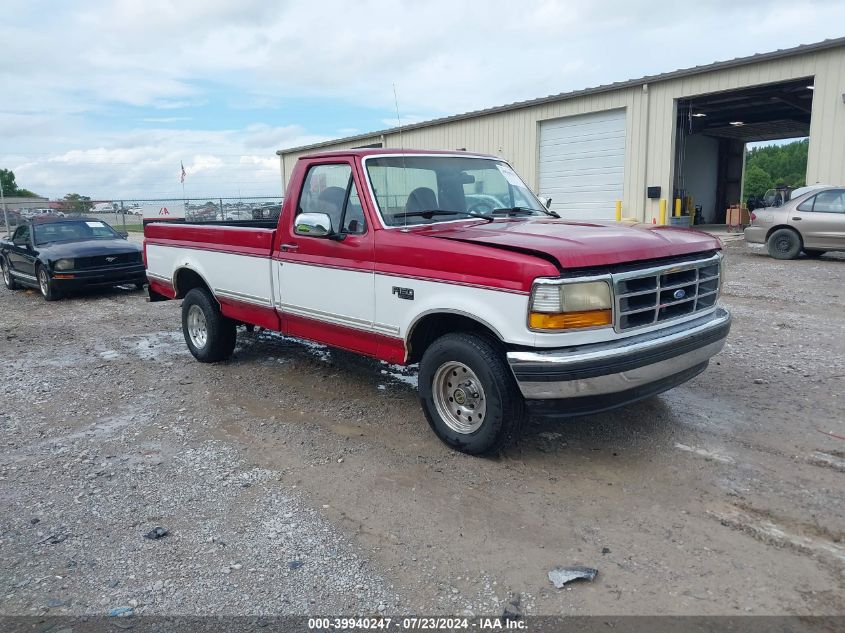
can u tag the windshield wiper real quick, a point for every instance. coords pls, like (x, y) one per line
(511, 211)
(430, 213)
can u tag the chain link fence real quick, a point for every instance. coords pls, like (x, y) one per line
(127, 214)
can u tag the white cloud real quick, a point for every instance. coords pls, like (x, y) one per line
(146, 164)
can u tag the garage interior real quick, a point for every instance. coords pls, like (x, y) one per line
(712, 132)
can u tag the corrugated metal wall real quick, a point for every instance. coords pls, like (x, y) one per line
(650, 125)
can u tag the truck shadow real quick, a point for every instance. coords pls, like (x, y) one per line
(263, 347)
(639, 428)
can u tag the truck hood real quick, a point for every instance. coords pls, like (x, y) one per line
(579, 244)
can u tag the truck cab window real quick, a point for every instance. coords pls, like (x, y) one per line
(330, 189)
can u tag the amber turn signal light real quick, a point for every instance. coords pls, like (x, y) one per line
(570, 320)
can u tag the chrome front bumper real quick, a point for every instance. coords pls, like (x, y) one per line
(606, 375)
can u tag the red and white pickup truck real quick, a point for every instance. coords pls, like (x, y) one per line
(448, 260)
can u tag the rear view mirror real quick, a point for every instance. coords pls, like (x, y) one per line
(313, 225)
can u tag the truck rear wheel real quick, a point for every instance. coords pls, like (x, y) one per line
(210, 335)
(469, 396)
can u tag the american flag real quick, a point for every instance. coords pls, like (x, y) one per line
(183, 172)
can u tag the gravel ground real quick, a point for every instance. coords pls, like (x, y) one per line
(296, 479)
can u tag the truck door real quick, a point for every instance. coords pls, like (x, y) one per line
(324, 275)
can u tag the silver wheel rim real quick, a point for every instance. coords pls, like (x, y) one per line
(197, 327)
(6, 277)
(43, 282)
(459, 397)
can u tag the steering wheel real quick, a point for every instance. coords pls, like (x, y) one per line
(480, 207)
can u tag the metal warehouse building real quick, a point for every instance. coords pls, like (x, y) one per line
(678, 135)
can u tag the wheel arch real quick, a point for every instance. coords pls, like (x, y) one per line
(430, 325)
(778, 227)
(186, 278)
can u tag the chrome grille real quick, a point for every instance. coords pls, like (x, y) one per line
(664, 293)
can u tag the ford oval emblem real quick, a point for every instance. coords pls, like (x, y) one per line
(680, 293)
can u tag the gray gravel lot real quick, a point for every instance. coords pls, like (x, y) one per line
(296, 479)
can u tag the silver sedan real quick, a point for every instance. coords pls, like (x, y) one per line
(813, 222)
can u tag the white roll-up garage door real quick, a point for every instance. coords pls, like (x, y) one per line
(582, 163)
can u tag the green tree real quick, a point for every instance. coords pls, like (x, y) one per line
(757, 181)
(772, 165)
(76, 203)
(10, 187)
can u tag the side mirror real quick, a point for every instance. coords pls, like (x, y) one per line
(123, 234)
(21, 242)
(547, 202)
(313, 225)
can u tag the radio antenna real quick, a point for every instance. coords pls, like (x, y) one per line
(401, 151)
(398, 118)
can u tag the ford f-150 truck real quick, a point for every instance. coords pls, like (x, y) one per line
(447, 259)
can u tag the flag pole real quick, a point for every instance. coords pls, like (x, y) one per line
(5, 212)
(182, 178)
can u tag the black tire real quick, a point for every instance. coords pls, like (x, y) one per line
(813, 254)
(220, 334)
(784, 244)
(45, 284)
(8, 280)
(504, 414)
(140, 285)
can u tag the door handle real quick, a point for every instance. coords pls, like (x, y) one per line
(796, 217)
(289, 247)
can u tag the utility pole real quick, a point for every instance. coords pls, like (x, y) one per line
(5, 213)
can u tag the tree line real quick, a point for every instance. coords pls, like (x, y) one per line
(71, 202)
(772, 165)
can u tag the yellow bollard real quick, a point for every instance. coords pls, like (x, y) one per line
(618, 210)
(662, 211)
(677, 207)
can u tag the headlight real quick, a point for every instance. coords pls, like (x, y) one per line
(721, 272)
(565, 306)
(63, 264)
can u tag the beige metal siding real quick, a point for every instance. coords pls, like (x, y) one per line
(650, 125)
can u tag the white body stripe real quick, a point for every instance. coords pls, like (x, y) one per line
(343, 297)
(363, 300)
(503, 312)
(227, 274)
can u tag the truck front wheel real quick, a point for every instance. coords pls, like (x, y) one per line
(210, 335)
(468, 394)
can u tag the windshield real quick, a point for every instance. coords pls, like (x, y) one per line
(454, 187)
(75, 230)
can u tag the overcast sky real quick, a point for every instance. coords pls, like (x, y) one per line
(106, 98)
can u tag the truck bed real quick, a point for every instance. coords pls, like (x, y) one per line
(232, 260)
(247, 237)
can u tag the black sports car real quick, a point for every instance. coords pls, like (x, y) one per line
(57, 255)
